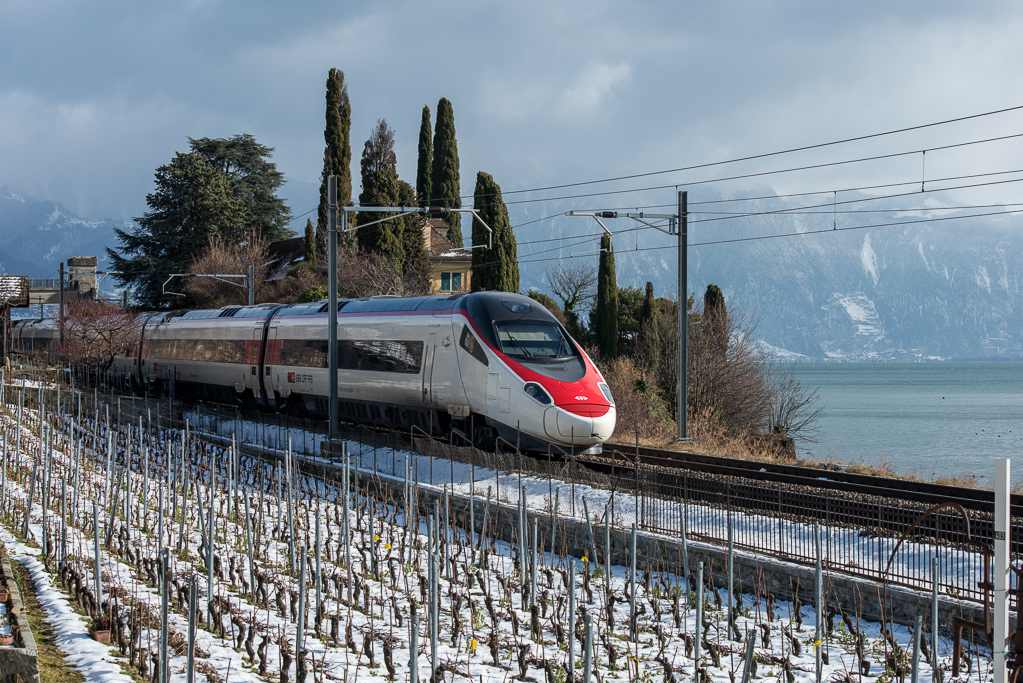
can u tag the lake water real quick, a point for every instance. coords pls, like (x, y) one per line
(934, 419)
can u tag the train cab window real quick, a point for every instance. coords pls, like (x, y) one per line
(533, 340)
(470, 343)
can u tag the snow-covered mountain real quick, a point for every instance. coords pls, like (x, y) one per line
(939, 289)
(36, 235)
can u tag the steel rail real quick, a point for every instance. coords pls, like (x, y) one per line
(906, 489)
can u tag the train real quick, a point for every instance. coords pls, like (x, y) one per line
(489, 368)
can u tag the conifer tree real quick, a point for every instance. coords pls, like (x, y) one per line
(544, 300)
(337, 152)
(445, 185)
(650, 327)
(192, 202)
(254, 181)
(497, 268)
(417, 260)
(605, 315)
(715, 319)
(310, 244)
(380, 188)
(424, 171)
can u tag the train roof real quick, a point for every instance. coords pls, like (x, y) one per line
(376, 304)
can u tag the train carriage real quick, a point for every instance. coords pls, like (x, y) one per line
(482, 367)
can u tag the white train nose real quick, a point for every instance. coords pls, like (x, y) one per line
(567, 427)
(604, 426)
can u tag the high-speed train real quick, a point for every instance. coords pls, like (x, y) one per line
(487, 365)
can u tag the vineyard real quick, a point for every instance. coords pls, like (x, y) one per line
(196, 561)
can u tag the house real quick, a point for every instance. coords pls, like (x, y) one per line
(450, 266)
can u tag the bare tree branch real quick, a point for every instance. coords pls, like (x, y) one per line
(95, 333)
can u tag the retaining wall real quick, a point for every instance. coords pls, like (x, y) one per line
(18, 664)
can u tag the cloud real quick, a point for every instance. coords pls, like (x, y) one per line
(94, 97)
(593, 89)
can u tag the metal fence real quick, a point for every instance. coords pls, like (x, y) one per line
(863, 535)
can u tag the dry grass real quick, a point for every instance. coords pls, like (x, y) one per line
(52, 664)
(638, 423)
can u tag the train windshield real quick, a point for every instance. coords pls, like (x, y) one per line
(533, 339)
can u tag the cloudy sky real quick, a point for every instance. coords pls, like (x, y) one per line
(94, 96)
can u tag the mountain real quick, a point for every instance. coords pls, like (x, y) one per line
(38, 235)
(936, 289)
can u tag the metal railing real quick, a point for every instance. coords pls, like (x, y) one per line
(883, 539)
(45, 283)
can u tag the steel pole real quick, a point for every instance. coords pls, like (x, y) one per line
(332, 302)
(683, 276)
(252, 285)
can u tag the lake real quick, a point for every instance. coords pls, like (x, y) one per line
(933, 419)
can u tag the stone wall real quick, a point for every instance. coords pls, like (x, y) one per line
(20, 663)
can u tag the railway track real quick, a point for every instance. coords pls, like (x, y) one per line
(619, 455)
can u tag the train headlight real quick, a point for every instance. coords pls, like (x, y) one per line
(538, 393)
(607, 392)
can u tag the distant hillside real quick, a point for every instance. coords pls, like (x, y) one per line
(38, 235)
(941, 289)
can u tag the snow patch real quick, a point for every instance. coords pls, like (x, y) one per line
(983, 279)
(780, 353)
(861, 312)
(869, 258)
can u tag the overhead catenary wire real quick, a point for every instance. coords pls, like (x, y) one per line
(803, 209)
(752, 157)
(776, 153)
(759, 174)
(796, 211)
(621, 252)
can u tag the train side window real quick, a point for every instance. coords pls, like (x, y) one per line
(310, 353)
(391, 355)
(473, 346)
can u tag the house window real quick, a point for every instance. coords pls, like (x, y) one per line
(450, 282)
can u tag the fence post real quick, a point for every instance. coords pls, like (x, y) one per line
(699, 621)
(1003, 530)
(571, 619)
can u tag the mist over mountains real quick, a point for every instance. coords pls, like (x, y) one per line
(939, 289)
(39, 234)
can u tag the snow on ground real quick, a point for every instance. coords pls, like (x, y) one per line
(844, 548)
(387, 564)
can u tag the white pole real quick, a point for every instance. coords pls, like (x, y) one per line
(1001, 578)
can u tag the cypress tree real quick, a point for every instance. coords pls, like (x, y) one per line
(416, 260)
(424, 171)
(310, 244)
(650, 327)
(713, 301)
(715, 319)
(445, 185)
(380, 188)
(337, 153)
(497, 268)
(606, 311)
